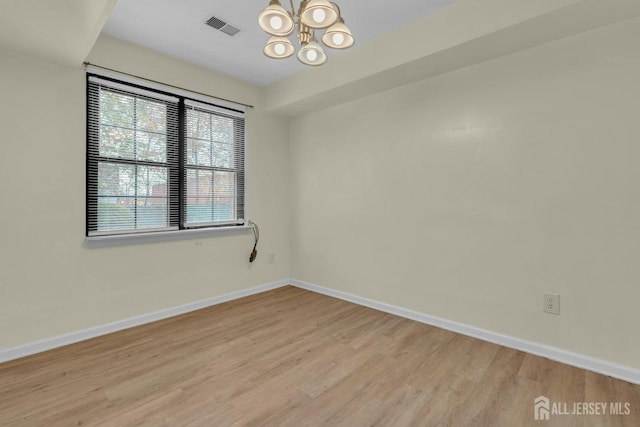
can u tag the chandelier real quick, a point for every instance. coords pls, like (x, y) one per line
(311, 15)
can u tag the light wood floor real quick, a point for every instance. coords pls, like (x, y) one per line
(294, 358)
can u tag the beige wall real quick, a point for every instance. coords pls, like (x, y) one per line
(463, 196)
(467, 195)
(49, 282)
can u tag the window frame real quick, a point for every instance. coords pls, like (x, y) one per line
(181, 230)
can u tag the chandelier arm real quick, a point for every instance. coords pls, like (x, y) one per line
(293, 9)
(337, 7)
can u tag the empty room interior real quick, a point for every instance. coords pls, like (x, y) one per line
(349, 213)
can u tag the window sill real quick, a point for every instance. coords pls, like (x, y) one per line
(161, 236)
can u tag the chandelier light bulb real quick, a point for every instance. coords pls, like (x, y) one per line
(338, 38)
(276, 22)
(279, 49)
(312, 55)
(319, 15)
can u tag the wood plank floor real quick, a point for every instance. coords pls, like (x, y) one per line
(290, 357)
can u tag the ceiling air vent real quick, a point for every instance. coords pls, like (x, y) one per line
(222, 25)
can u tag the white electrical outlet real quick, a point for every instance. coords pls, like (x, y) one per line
(551, 303)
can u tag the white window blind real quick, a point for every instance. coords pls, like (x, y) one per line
(214, 172)
(157, 161)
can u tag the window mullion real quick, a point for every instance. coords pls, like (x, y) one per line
(182, 149)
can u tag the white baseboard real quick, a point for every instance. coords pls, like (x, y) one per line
(74, 337)
(574, 359)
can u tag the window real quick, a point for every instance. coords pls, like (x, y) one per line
(159, 161)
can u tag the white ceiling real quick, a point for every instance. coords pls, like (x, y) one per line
(177, 28)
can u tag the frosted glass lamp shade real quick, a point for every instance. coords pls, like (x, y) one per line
(278, 48)
(275, 20)
(312, 54)
(318, 14)
(338, 36)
